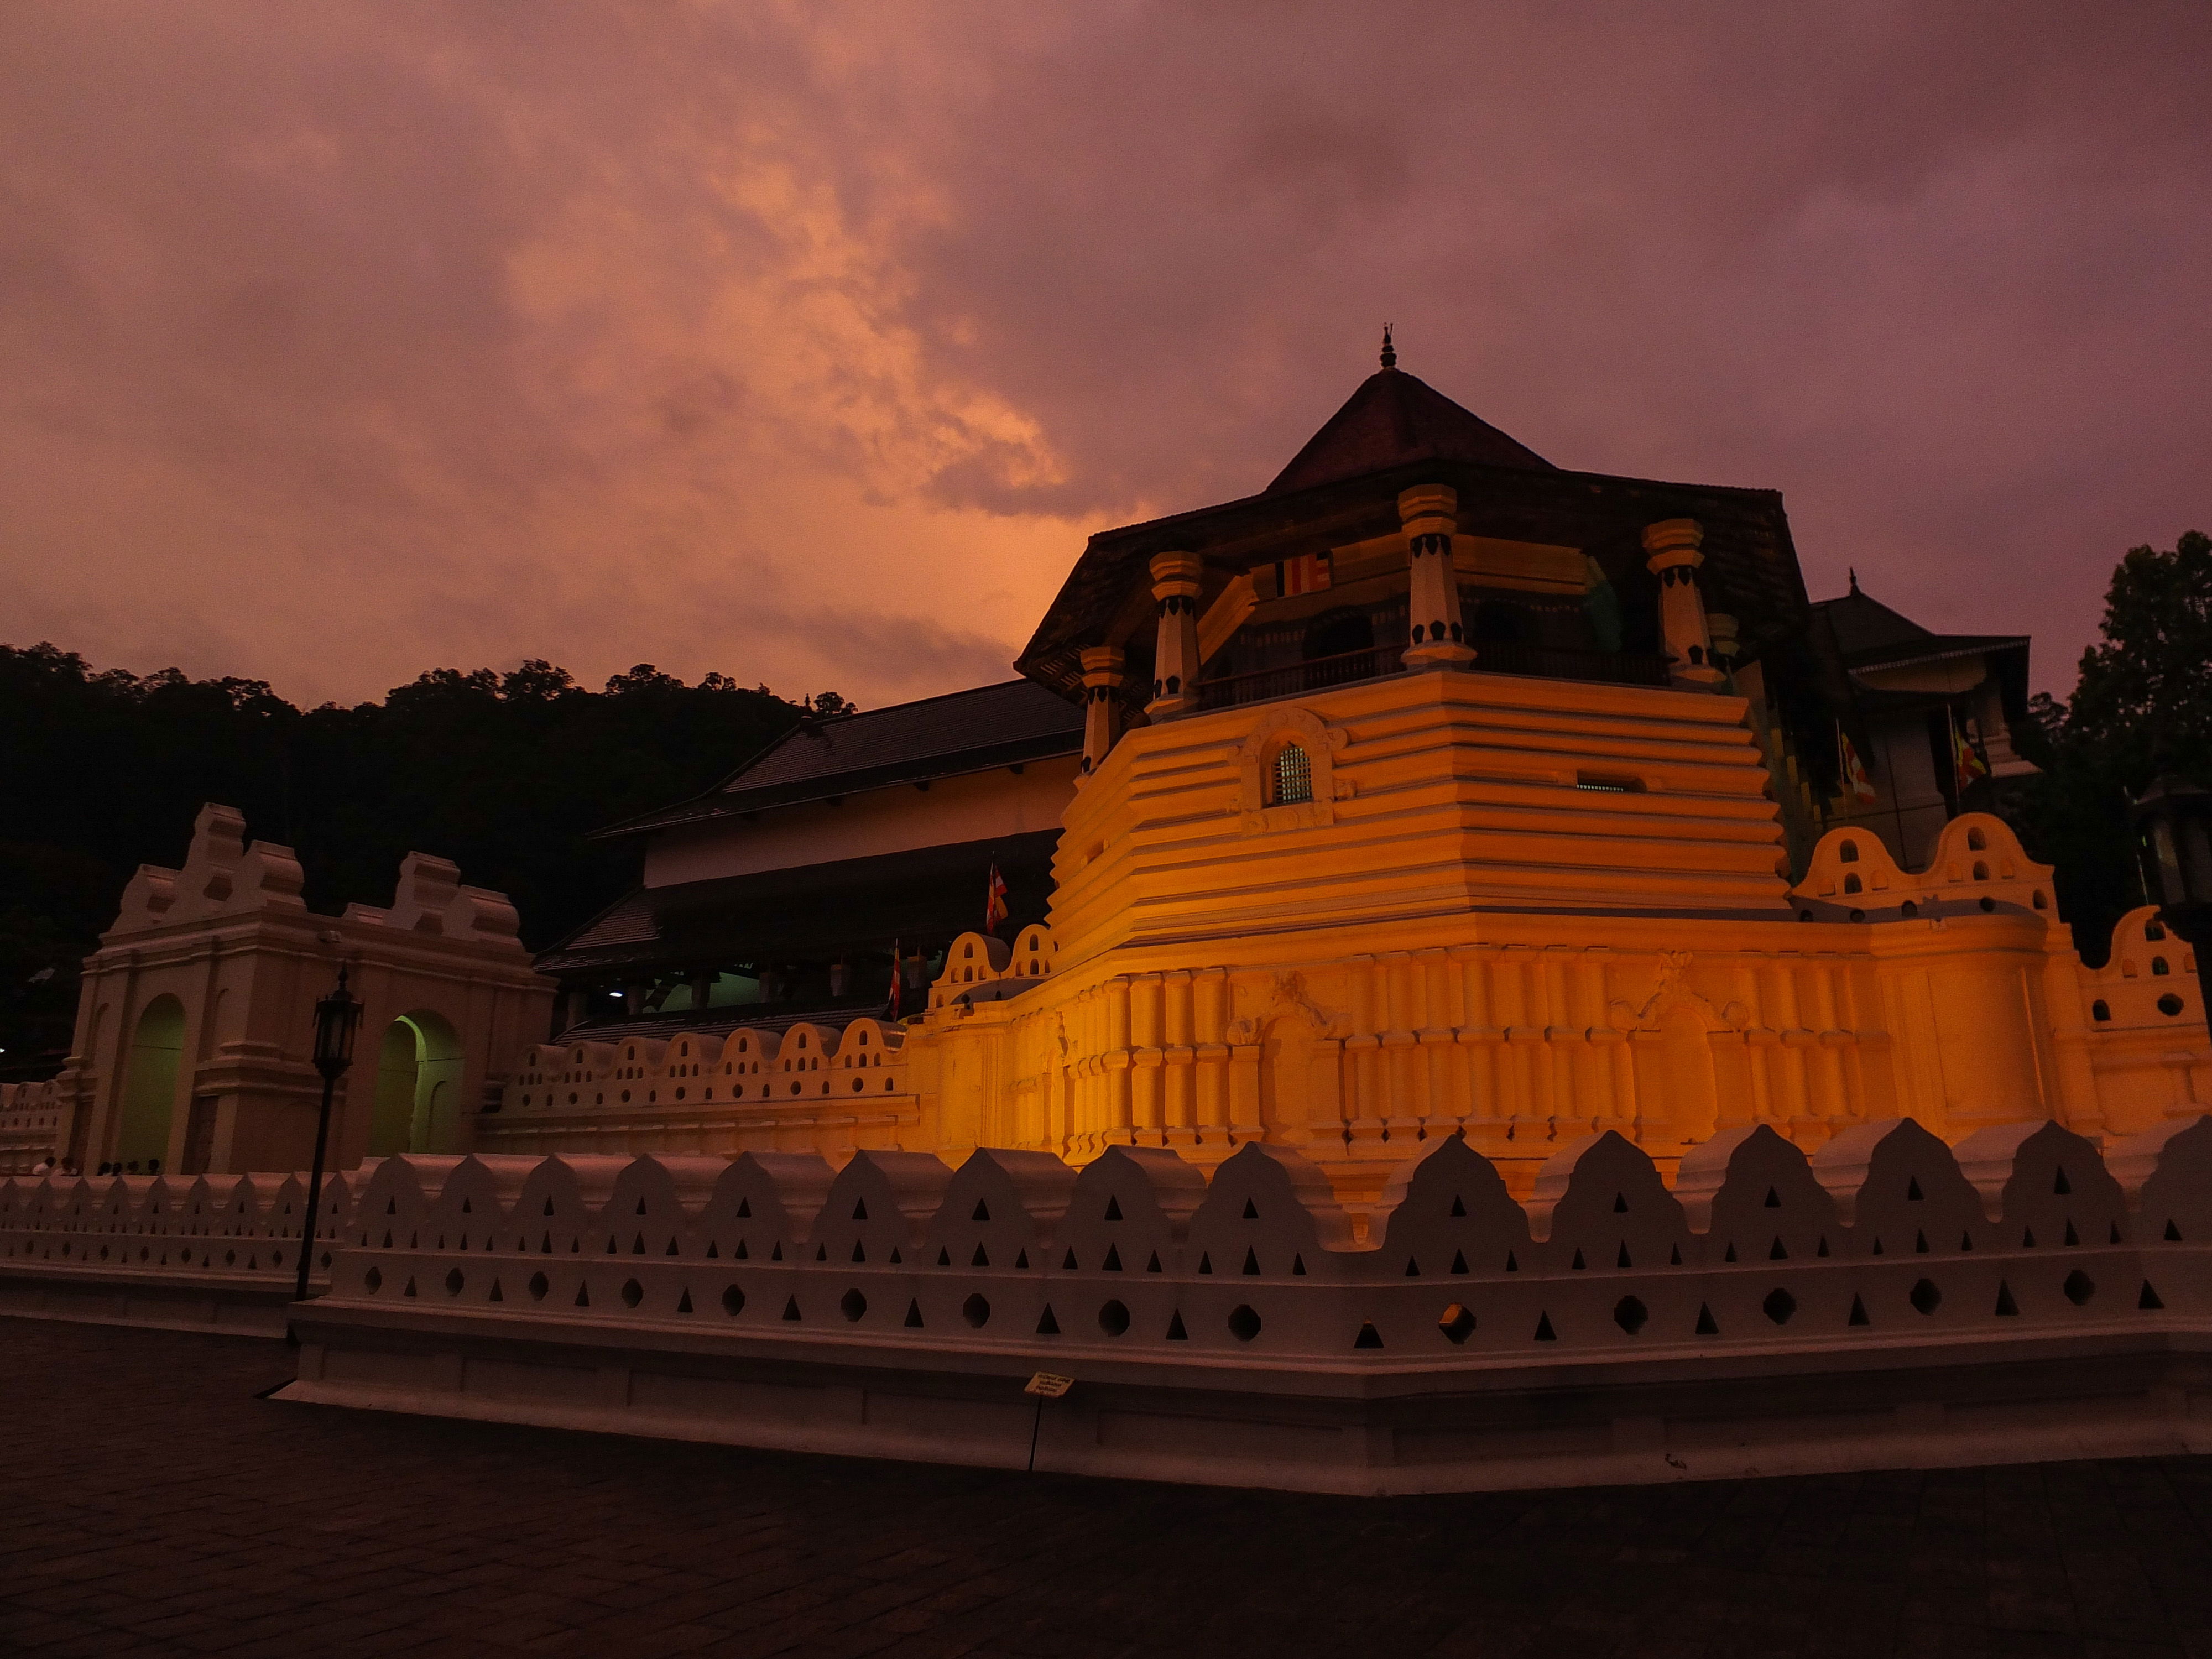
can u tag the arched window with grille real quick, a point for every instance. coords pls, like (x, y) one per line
(1293, 781)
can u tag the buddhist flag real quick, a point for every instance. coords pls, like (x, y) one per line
(994, 900)
(1967, 755)
(1308, 573)
(1856, 789)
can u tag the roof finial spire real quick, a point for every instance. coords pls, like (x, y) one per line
(1389, 352)
(1855, 578)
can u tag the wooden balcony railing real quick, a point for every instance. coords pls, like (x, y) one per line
(1312, 675)
(1493, 656)
(1546, 662)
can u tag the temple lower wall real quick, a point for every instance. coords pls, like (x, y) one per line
(1538, 1029)
(1952, 995)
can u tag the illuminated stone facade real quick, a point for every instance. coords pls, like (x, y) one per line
(195, 1021)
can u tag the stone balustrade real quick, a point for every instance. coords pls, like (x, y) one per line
(1884, 1232)
(190, 1250)
(34, 1125)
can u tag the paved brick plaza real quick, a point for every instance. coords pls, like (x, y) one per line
(150, 1504)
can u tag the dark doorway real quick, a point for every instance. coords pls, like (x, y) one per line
(1338, 647)
(1498, 622)
(1332, 633)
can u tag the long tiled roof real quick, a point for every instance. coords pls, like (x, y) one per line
(1002, 724)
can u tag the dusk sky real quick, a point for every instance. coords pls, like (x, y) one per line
(807, 343)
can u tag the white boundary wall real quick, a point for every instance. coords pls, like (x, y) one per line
(1891, 1302)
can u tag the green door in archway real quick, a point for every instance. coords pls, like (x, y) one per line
(150, 1084)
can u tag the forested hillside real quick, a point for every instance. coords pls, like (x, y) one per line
(505, 774)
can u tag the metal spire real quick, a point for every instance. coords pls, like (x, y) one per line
(1389, 352)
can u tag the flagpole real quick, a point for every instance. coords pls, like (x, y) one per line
(1843, 774)
(1896, 798)
(1962, 777)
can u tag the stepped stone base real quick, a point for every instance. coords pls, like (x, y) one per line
(240, 1304)
(2106, 1389)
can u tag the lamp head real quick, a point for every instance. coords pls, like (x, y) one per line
(337, 1020)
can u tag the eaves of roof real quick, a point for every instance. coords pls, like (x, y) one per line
(1940, 647)
(927, 768)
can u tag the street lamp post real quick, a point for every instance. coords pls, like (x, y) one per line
(338, 1018)
(2174, 834)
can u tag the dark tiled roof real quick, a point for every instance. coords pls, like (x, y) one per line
(1394, 418)
(1002, 724)
(1751, 563)
(1396, 431)
(628, 922)
(1866, 625)
(1870, 635)
(922, 897)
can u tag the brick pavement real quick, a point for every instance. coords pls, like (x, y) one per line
(150, 1504)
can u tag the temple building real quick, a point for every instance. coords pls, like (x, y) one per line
(1434, 790)
(785, 890)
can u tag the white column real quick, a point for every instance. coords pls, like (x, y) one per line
(1439, 634)
(1673, 549)
(1175, 584)
(1101, 704)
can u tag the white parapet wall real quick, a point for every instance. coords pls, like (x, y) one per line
(194, 1252)
(1890, 1303)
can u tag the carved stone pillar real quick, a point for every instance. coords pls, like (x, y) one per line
(1439, 634)
(1176, 584)
(1673, 550)
(1101, 704)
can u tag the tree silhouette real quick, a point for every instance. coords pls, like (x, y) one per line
(2142, 705)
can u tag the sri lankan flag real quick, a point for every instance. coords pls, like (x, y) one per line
(1966, 754)
(1307, 574)
(1858, 789)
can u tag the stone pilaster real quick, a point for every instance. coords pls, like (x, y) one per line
(1101, 703)
(1439, 634)
(1176, 585)
(1674, 547)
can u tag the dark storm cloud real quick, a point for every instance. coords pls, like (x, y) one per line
(807, 343)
